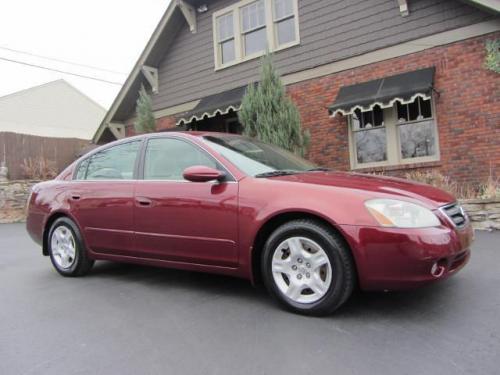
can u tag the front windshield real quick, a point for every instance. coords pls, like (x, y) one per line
(254, 157)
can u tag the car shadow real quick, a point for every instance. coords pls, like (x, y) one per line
(415, 304)
(435, 300)
(169, 278)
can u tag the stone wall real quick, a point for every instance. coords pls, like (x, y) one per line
(13, 198)
(483, 213)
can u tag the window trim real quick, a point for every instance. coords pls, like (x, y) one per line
(270, 27)
(77, 168)
(393, 141)
(218, 42)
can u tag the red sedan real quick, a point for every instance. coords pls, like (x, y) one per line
(228, 204)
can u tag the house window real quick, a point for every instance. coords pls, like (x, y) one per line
(253, 22)
(246, 29)
(284, 21)
(225, 34)
(401, 134)
(416, 129)
(369, 136)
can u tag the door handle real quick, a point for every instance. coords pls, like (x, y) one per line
(75, 197)
(144, 202)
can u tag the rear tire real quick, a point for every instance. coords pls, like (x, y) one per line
(66, 250)
(308, 268)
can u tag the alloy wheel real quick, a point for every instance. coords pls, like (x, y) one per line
(301, 270)
(63, 247)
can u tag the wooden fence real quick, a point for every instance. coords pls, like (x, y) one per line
(15, 148)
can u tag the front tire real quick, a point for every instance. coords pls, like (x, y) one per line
(308, 268)
(66, 250)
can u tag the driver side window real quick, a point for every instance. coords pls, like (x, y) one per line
(167, 158)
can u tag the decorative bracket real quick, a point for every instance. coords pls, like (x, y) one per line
(403, 8)
(189, 13)
(118, 130)
(151, 75)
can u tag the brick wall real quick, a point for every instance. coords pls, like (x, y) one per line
(467, 111)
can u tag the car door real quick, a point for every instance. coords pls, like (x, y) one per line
(179, 220)
(102, 197)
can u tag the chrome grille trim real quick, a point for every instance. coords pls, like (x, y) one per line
(455, 214)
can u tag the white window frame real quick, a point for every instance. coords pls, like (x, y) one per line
(218, 42)
(393, 143)
(271, 33)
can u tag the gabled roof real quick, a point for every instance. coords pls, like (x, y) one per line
(159, 43)
(54, 109)
(155, 49)
(488, 5)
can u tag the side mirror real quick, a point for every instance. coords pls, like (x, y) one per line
(199, 173)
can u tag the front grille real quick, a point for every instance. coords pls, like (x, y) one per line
(456, 214)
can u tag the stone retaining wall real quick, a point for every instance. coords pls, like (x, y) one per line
(483, 213)
(13, 197)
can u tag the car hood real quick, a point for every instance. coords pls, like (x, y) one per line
(375, 186)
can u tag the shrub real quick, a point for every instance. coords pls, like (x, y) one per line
(433, 178)
(145, 122)
(492, 59)
(268, 114)
(489, 189)
(39, 168)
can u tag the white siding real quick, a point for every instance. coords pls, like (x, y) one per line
(55, 109)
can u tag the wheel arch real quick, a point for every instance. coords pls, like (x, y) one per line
(279, 219)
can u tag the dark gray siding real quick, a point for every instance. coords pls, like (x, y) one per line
(330, 30)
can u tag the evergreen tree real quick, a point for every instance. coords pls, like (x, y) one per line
(268, 114)
(145, 122)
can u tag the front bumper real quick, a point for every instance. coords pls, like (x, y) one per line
(397, 259)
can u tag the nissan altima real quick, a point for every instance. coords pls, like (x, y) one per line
(232, 205)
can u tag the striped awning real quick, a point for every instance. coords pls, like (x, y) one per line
(213, 105)
(384, 92)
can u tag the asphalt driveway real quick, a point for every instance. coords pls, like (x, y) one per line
(124, 319)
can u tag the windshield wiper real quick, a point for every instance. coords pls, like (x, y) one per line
(275, 173)
(319, 169)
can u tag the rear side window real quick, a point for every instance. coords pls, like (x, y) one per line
(114, 163)
(166, 159)
(82, 170)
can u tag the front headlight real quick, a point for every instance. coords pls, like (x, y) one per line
(400, 214)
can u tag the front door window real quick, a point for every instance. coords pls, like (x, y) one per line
(167, 158)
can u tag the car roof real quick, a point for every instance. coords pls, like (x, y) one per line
(184, 134)
(196, 134)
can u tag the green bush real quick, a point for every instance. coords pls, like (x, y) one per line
(268, 114)
(145, 122)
